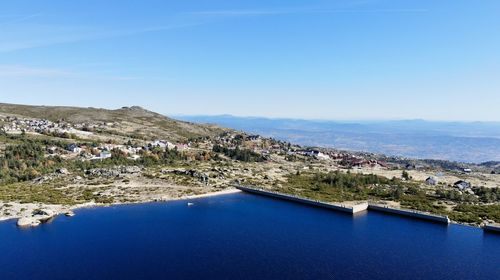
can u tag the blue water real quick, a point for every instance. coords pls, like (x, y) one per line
(243, 236)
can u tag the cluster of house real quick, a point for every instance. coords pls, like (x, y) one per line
(168, 145)
(105, 151)
(313, 153)
(15, 125)
(93, 153)
(235, 138)
(364, 163)
(18, 125)
(253, 137)
(257, 143)
(270, 146)
(355, 161)
(460, 185)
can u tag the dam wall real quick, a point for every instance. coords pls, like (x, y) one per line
(338, 207)
(358, 208)
(492, 228)
(410, 213)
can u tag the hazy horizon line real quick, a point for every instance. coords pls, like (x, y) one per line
(181, 115)
(331, 119)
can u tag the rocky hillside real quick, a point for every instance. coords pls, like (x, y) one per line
(53, 159)
(131, 121)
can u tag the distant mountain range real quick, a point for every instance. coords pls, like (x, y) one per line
(472, 142)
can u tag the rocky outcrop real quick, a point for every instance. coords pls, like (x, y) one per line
(118, 171)
(59, 173)
(37, 217)
(62, 171)
(202, 177)
(44, 214)
(28, 222)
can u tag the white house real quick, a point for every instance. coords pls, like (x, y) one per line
(316, 154)
(74, 148)
(431, 181)
(105, 154)
(462, 185)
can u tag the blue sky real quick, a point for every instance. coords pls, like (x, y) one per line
(366, 59)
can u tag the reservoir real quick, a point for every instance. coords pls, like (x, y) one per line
(244, 236)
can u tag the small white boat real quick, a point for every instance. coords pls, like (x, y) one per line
(190, 204)
(69, 214)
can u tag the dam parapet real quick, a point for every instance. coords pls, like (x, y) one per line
(352, 209)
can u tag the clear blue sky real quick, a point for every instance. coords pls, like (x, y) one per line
(366, 59)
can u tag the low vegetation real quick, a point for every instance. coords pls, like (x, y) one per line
(28, 193)
(238, 154)
(339, 186)
(25, 161)
(469, 213)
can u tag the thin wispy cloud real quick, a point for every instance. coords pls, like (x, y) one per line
(235, 13)
(29, 71)
(375, 11)
(12, 19)
(30, 31)
(119, 78)
(27, 35)
(11, 16)
(41, 35)
(269, 12)
(24, 71)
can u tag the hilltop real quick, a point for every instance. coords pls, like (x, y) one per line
(127, 121)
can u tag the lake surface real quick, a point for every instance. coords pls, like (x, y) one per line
(243, 236)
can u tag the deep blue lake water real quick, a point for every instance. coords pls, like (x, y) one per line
(242, 236)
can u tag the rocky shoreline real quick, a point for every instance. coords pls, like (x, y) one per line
(41, 213)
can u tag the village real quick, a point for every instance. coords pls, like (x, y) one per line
(85, 131)
(256, 143)
(208, 164)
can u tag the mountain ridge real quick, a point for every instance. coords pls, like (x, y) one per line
(134, 120)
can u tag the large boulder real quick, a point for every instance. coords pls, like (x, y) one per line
(63, 171)
(131, 169)
(117, 171)
(37, 217)
(28, 222)
(43, 214)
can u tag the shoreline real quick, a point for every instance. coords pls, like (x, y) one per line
(223, 192)
(57, 210)
(64, 210)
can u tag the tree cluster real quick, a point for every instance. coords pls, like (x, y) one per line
(239, 154)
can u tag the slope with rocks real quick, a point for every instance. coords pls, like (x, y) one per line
(131, 121)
